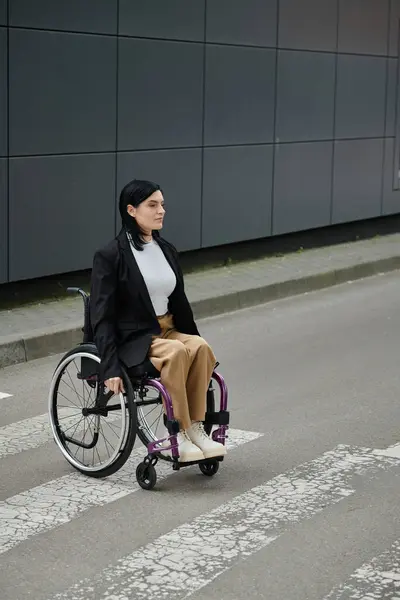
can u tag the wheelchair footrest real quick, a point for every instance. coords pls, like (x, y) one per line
(217, 418)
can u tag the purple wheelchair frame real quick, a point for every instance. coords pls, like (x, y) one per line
(219, 435)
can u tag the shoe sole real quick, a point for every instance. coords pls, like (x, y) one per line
(215, 453)
(191, 457)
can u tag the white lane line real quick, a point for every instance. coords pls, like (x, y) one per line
(59, 501)
(378, 579)
(392, 451)
(29, 433)
(179, 563)
(32, 433)
(4, 395)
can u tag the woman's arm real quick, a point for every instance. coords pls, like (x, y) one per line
(103, 311)
(184, 311)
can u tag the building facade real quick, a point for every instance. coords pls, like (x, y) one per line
(256, 117)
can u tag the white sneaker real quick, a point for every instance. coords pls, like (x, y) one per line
(199, 437)
(188, 452)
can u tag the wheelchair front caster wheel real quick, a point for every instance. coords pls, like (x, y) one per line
(209, 468)
(146, 476)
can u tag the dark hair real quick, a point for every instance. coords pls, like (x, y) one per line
(135, 192)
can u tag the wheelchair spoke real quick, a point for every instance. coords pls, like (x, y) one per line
(73, 389)
(81, 418)
(84, 436)
(73, 386)
(79, 422)
(111, 426)
(107, 443)
(156, 419)
(93, 400)
(73, 403)
(83, 394)
(76, 412)
(95, 448)
(104, 435)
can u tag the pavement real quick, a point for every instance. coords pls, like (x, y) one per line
(305, 505)
(47, 328)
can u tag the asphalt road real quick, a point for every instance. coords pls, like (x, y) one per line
(305, 506)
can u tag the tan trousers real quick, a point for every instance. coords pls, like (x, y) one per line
(186, 363)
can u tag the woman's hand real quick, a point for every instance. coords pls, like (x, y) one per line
(115, 385)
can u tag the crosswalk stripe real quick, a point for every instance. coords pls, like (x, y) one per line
(393, 451)
(379, 578)
(59, 501)
(25, 435)
(34, 432)
(3, 395)
(189, 557)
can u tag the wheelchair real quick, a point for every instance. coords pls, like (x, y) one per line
(96, 429)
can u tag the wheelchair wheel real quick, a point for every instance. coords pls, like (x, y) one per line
(209, 468)
(150, 413)
(94, 431)
(146, 476)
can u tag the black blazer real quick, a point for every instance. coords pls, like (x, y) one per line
(121, 312)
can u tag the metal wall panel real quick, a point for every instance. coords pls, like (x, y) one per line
(3, 92)
(242, 22)
(69, 114)
(390, 121)
(3, 12)
(302, 188)
(62, 92)
(363, 26)
(394, 27)
(391, 197)
(360, 97)
(237, 194)
(305, 96)
(178, 172)
(3, 221)
(92, 16)
(357, 180)
(318, 19)
(160, 94)
(239, 98)
(175, 19)
(61, 210)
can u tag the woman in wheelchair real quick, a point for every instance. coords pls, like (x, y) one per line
(139, 311)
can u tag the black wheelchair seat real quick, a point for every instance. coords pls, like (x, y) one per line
(146, 368)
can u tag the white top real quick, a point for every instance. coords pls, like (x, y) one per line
(158, 276)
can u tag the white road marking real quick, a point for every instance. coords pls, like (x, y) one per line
(28, 434)
(378, 579)
(32, 433)
(391, 451)
(59, 501)
(4, 395)
(179, 563)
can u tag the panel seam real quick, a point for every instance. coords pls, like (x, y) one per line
(8, 269)
(274, 149)
(334, 114)
(203, 124)
(116, 125)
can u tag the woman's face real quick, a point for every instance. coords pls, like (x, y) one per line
(150, 213)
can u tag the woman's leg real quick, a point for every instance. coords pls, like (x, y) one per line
(171, 359)
(201, 366)
(202, 363)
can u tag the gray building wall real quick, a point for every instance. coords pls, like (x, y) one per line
(257, 117)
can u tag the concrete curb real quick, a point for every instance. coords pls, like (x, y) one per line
(15, 350)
